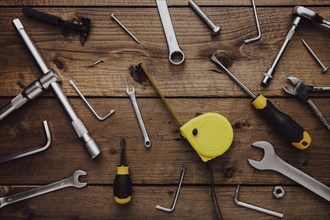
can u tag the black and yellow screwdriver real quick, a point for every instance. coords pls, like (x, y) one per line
(282, 122)
(122, 186)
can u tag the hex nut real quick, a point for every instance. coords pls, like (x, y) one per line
(278, 192)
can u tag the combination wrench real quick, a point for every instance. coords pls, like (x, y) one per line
(176, 56)
(131, 95)
(271, 161)
(72, 181)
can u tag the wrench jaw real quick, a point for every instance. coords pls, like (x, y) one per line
(75, 178)
(269, 154)
(298, 86)
(176, 57)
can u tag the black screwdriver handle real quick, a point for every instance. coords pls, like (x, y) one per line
(283, 123)
(42, 15)
(122, 186)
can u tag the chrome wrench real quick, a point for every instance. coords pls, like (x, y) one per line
(72, 181)
(176, 56)
(271, 161)
(131, 95)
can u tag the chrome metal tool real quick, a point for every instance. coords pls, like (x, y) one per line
(309, 49)
(271, 161)
(214, 28)
(30, 151)
(100, 118)
(300, 12)
(176, 194)
(176, 56)
(253, 207)
(48, 80)
(250, 40)
(72, 181)
(123, 27)
(301, 90)
(131, 95)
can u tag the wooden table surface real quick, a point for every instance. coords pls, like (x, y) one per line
(195, 86)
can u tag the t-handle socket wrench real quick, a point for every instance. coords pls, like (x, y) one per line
(49, 80)
(176, 56)
(131, 95)
(301, 12)
(72, 181)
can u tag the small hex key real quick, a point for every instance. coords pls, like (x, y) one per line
(33, 150)
(89, 106)
(176, 194)
(257, 24)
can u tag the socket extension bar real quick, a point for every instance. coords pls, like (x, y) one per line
(48, 80)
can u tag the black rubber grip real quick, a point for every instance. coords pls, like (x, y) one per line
(282, 122)
(41, 15)
(122, 186)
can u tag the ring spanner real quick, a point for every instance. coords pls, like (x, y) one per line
(271, 161)
(72, 181)
(131, 95)
(176, 56)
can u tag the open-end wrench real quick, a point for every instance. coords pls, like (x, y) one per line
(72, 181)
(131, 95)
(176, 56)
(271, 161)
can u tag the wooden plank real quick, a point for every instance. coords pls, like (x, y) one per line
(162, 163)
(131, 3)
(196, 78)
(96, 202)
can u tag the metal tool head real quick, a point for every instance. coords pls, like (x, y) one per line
(307, 13)
(130, 92)
(85, 27)
(75, 178)
(299, 87)
(269, 154)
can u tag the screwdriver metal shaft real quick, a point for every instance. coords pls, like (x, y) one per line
(214, 59)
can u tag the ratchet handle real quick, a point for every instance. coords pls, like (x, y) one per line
(41, 15)
(122, 187)
(283, 123)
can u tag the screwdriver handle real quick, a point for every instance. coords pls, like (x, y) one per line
(283, 123)
(122, 187)
(41, 15)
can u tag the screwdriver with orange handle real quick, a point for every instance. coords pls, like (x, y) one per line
(282, 122)
(122, 186)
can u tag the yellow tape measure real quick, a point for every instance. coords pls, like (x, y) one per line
(210, 134)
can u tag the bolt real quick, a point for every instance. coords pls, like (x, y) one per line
(214, 28)
(324, 68)
(123, 27)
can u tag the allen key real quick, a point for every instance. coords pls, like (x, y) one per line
(33, 150)
(257, 24)
(253, 207)
(89, 106)
(176, 194)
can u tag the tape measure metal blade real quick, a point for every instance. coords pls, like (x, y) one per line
(210, 134)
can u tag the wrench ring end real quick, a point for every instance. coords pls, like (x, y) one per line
(176, 57)
(147, 144)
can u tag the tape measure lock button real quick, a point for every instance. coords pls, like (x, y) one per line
(210, 134)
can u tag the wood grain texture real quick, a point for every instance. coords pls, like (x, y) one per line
(141, 3)
(195, 86)
(197, 77)
(160, 164)
(96, 202)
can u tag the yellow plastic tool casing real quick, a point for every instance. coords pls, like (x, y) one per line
(210, 134)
